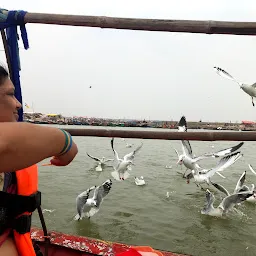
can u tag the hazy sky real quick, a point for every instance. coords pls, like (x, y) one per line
(137, 74)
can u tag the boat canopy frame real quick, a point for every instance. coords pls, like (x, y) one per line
(180, 26)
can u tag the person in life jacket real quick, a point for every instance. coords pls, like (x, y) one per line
(19, 195)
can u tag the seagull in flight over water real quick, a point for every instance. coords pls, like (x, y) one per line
(240, 187)
(205, 175)
(227, 203)
(122, 165)
(102, 160)
(189, 160)
(250, 89)
(87, 207)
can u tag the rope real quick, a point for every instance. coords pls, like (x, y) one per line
(46, 236)
(9, 21)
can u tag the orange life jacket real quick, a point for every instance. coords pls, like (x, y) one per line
(27, 184)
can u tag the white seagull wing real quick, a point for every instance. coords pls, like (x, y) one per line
(186, 148)
(224, 163)
(225, 151)
(240, 182)
(130, 156)
(220, 188)
(93, 157)
(182, 125)
(225, 74)
(209, 202)
(99, 194)
(116, 161)
(234, 199)
(252, 170)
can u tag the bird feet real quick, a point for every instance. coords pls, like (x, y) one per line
(198, 185)
(203, 188)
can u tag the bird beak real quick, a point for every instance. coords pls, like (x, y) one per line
(47, 164)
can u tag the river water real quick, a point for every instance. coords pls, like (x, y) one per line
(142, 215)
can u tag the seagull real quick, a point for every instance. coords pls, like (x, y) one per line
(240, 187)
(122, 165)
(182, 127)
(139, 182)
(98, 167)
(249, 89)
(102, 160)
(189, 160)
(127, 144)
(205, 175)
(226, 204)
(87, 207)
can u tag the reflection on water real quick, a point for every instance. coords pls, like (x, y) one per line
(86, 227)
(142, 215)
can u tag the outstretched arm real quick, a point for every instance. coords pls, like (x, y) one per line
(24, 144)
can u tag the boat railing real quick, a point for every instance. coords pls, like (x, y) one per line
(166, 135)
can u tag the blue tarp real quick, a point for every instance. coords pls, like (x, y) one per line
(10, 23)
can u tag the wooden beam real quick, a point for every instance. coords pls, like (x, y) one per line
(165, 134)
(185, 26)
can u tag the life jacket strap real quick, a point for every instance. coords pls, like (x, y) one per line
(22, 224)
(18, 204)
(15, 211)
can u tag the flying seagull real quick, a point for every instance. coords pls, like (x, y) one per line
(250, 89)
(122, 165)
(89, 206)
(191, 161)
(227, 203)
(205, 175)
(240, 187)
(102, 160)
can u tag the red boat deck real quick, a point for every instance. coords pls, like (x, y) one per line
(63, 244)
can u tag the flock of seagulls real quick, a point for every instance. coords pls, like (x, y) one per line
(201, 176)
(250, 89)
(88, 206)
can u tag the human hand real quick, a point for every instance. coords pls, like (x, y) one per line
(66, 158)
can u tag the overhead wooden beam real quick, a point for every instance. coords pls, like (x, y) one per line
(185, 26)
(165, 134)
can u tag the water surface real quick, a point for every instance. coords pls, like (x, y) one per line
(142, 215)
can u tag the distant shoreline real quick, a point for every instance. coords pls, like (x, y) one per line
(172, 125)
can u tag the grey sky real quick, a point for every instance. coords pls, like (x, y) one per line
(136, 74)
